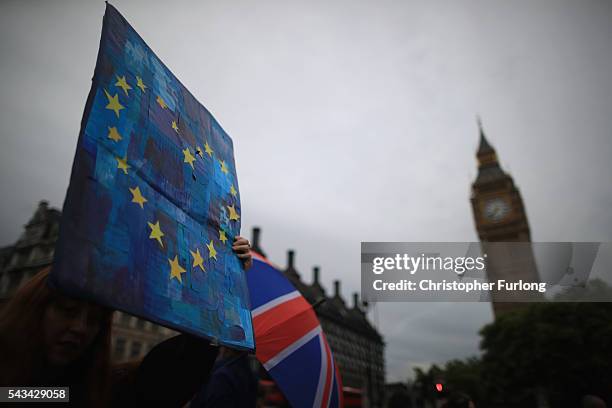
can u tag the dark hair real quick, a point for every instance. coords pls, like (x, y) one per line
(21, 343)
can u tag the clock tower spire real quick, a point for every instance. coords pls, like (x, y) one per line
(486, 153)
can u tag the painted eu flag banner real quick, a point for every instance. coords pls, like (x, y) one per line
(153, 204)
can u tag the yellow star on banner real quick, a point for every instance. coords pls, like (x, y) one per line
(156, 232)
(161, 102)
(223, 167)
(174, 126)
(188, 157)
(176, 269)
(233, 215)
(122, 83)
(113, 103)
(137, 197)
(208, 149)
(222, 236)
(199, 151)
(122, 164)
(212, 252)
(140, 84)
(197, 259)
(233, 191)
(113, 134)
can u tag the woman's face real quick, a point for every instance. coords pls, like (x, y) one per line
(69, 328)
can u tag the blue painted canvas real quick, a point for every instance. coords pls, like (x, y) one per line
(153, 204)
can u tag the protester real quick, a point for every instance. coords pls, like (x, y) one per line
(232, 383)
(49, 339)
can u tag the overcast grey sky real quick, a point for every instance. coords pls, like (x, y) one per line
(352, 121)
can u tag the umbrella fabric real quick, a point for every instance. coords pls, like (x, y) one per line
(289, 340)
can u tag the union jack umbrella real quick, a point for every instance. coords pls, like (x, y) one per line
(289, 340)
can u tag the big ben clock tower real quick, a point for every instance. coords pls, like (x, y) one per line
(500, 216)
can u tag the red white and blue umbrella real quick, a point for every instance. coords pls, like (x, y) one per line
(289, 340)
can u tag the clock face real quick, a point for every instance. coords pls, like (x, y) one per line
(496, 209)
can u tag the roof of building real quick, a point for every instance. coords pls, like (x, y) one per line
(332, 307)
(43, 227)
(489, 169)
(484, 146)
